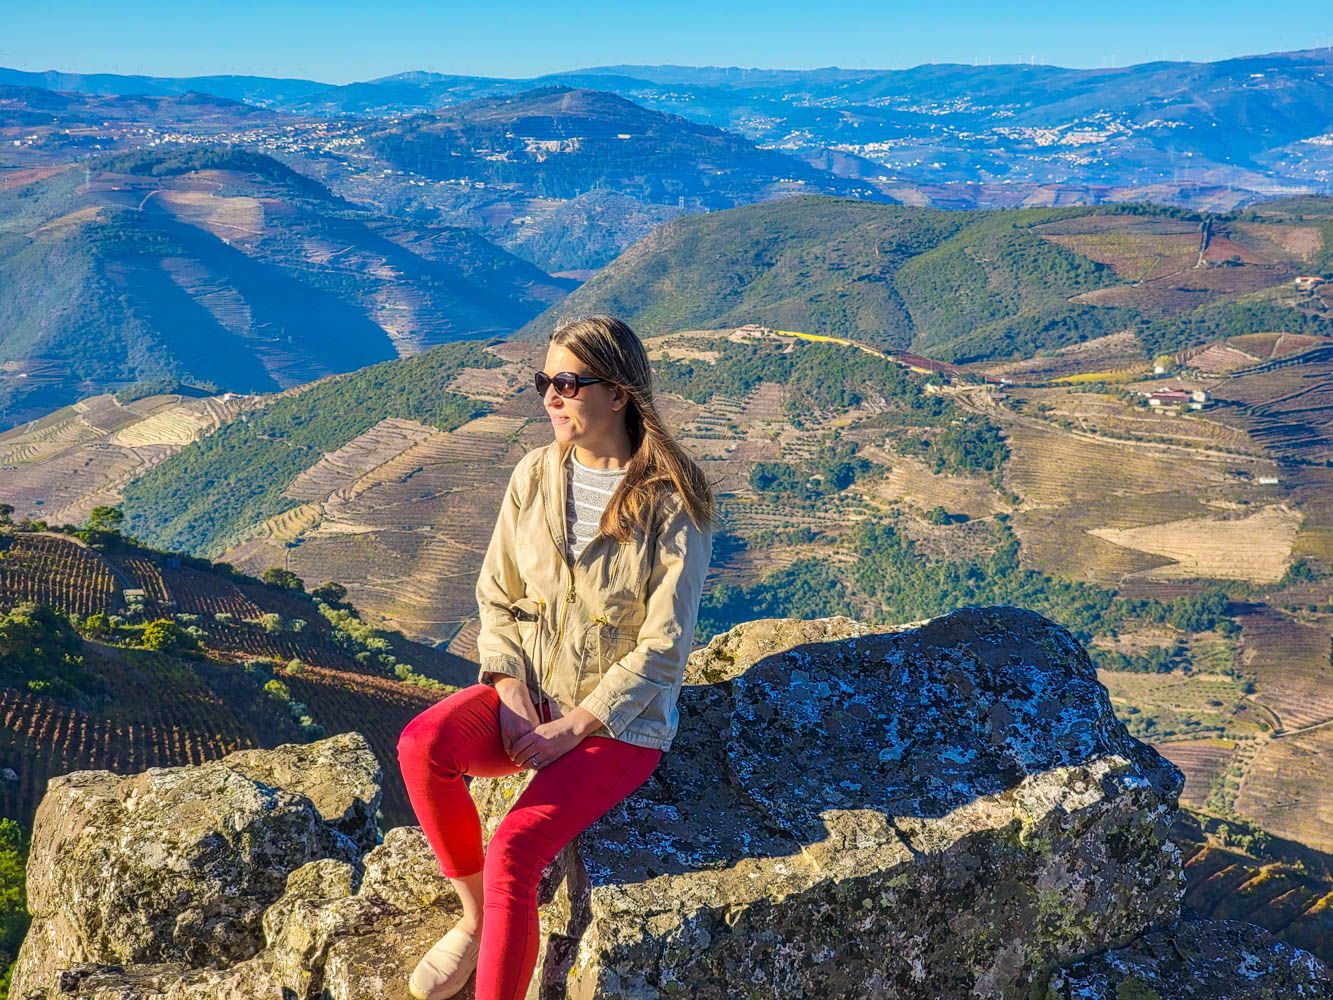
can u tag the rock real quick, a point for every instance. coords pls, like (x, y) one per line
(945, 808)
(249, 980)
(1197, 960)
(177, 865)
(334, 774)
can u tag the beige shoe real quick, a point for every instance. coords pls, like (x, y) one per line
(446, 968)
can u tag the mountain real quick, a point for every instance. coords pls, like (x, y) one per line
(972, 286)
(29, 107)
(1214, 135)
(250, 89)
(228, 268)
(1233, 121)
(567, 162)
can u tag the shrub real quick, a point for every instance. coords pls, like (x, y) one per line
(283, 579)
(165, 636)
(331, 592)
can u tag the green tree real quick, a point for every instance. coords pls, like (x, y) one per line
(165, 636)
(14, 917)
(41, 651)
(330, 593)
(104, 518)
(283, 579)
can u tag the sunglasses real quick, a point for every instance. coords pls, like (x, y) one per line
(566, 383)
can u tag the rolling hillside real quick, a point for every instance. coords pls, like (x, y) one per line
(964, 287)
(227, 269)
(115, 698)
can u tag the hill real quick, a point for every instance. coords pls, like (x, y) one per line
(89, 682)
(962, 286)
(229, 269)
(1189, 551)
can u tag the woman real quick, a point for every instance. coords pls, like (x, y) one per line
(588, 597)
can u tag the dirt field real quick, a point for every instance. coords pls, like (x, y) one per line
(1256, 547)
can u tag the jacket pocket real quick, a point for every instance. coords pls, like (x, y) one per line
(527, 612)
(610, 643)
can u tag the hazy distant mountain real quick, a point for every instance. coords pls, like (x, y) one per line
(1203, 135)
(251, 89)
(230, 268)
(569, 164)
(72, 124)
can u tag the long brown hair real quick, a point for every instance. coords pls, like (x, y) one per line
(611, 350)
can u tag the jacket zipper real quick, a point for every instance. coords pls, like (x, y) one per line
(541, 618)
(564, 611)
(569, 596)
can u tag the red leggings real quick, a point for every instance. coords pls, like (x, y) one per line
(461, 735)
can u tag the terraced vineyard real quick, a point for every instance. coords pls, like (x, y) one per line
(160, 716)
(164, 711)
(55, 572)
(1287, 410)
(339, 699)
(1291, 896)
(80, 456)
(1285, 788)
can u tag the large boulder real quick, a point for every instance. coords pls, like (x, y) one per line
(178, 864)
(947, 808)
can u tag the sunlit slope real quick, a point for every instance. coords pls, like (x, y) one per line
(227, 269)
(972, 286)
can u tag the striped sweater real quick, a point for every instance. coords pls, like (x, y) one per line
(587, 492)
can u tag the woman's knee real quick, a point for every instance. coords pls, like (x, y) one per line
(424, 739)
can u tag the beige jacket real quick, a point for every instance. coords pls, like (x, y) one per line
(610, 632)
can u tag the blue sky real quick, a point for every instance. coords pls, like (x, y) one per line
(343, 41)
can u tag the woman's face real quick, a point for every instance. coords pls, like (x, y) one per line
(594, 415)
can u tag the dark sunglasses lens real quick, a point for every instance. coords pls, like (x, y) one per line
(565, 383)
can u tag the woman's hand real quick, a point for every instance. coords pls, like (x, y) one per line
(550, 741)
(518, 715)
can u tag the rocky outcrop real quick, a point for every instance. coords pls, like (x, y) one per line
(947, 808)
(178, 865)
(1197, 960)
